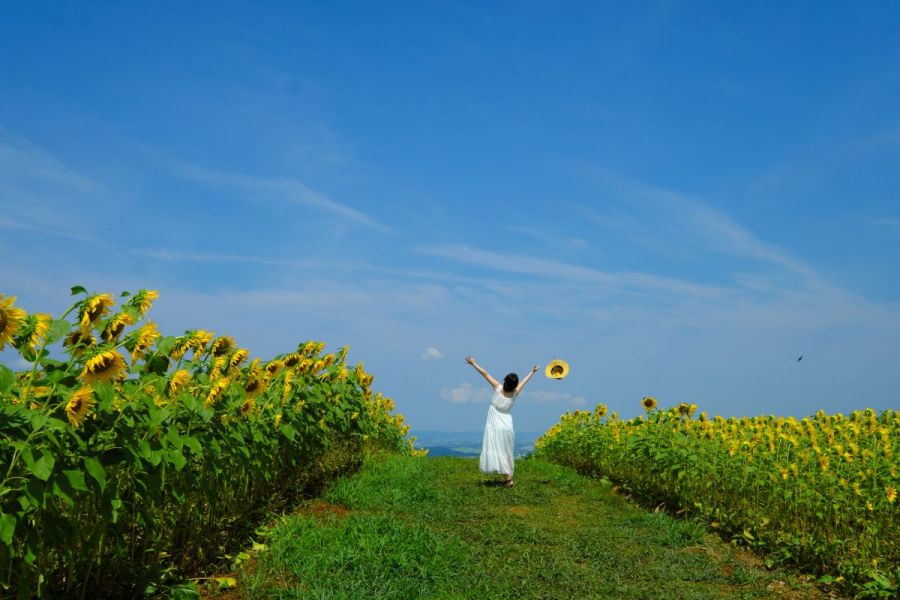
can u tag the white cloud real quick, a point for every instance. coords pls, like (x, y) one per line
(464, 393)
(561, 397)
(285, 188)
(432, 354)
(20, 158)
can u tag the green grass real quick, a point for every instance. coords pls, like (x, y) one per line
(406, 528)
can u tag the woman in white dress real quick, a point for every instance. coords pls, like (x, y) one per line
(499, 436)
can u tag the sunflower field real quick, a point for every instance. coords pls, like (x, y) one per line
(819, 493)
(128, 456)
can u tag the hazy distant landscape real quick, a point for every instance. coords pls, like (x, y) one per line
(467, 443)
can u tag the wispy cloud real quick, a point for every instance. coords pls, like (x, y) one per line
(547, 238)
(687, 215)
(554, 397)
(432, 354)
(515, 264)
(464, 393)
(17, 225)
(285, 189)
(886, 221)
(21, 158)
(540, 267)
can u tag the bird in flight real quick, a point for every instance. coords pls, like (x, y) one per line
(800, 358)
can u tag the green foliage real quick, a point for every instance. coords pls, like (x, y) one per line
(131, 457)
(819, 493)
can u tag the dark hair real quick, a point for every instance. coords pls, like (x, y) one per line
(510, 382)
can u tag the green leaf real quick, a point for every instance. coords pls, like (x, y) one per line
(288, 431)
(7, 379)
(78, 290)
(63, 491)
(7, 528)
(96, 471)
(76, 480)
(177, 459)
(59, 329)
(42, 468)
(194, 444)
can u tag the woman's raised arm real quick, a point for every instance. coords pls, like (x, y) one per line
(527, 377)
(494, 383)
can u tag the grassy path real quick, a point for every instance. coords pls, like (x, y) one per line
(435, 528)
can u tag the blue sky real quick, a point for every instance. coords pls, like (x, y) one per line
(677, 198)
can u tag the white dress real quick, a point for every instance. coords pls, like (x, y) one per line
(499, 437)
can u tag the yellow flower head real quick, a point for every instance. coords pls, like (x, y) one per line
(177, 382)
(144, 338)
(93, 308)
(10, 319)
(277, 420)
(240, 356)
(292, 360)
(248, 406)
(216, 391)
(600, 411)
(34, 330)
(78, 341)
(116, 326)
(103, 366)
(79, 404)
(273, 368)
(891, 493)
(649, 403)
(254, 386)
(143, 300)
(222, 345)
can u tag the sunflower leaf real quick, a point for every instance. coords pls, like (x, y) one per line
(76, 480)
(42, 468)
(59, 328)
(96, 471)
(7, 528)
(7, 379)
(78, 289)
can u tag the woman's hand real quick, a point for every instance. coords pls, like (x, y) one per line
(470, 360)
(535, 369)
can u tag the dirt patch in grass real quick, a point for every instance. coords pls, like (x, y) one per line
(321, 510)
(519, 510)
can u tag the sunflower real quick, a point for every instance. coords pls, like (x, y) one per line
(273, 368)
(649, 403)
(684, 409)
(103, 366)
(600, 411)
(277, 420)
(292, 359)
(248, 406)
(33, 331)
(10, 319)
(216, 391)
(239, 356)
(222, 345)
(254, 386)
(93, 308)
(78, 341)
(143, 339)
(115, 326)
(891, 494)
(557, 369)
(143, 300)
(178, 380)
(79, 404)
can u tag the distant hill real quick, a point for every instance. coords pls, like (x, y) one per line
(467, 443)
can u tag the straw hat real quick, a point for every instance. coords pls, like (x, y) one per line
(557, 369)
